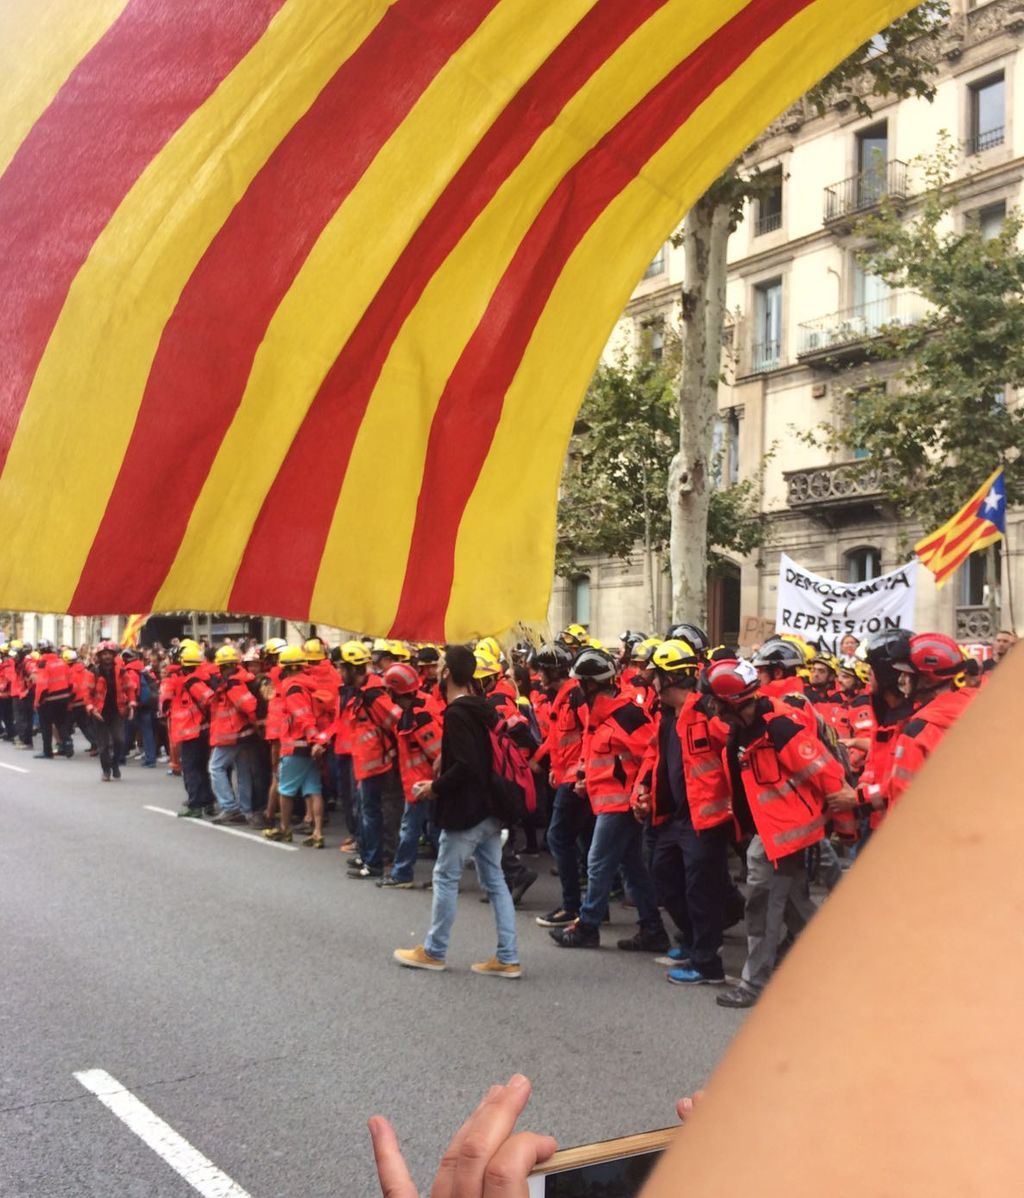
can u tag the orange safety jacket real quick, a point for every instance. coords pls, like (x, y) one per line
(20, 679)
(373, 716)
(326, 698)
(632, 687)
(615, 742)
(190, 706)
(233, 709)
(80, 677)
(921, 736)
(298, 730)
(418, 735)
(787, 774)
(52, 678)
(858, 723)
(96, 693)
(563, 744)
(876, 776)
(6, 676)
(703, 736)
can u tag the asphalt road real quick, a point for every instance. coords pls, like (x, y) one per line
(247, 996)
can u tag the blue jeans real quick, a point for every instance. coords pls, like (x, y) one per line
(242, 757)
(617, 838)
(482, 842)
(413, 818)
(371, 822)
(571, 817)
(144, 718)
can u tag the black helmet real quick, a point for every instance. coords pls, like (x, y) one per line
(129, 655)
(630, 638)
(778, 652)
(593, 665)
(883, 650)
(551, 657)
(690, 633)
(428, 655)
(45, 646)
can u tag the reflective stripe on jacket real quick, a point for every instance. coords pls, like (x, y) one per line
(616, 740)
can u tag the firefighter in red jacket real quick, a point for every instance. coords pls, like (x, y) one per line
(682, 788)
(373, 717)
(52, 697)
(80, 692)
(6, 702)
(418, 737)
(572, 819)
(930, 673)
(784, 779)
(110, 706)
(189, 726)
(21, 692)
(617, 736)
(233, 739)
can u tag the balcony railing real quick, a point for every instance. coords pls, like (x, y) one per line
(768, 223)
(843, 483)
(861, 193)
(852, 326)
(974, 624)
(765, 356)
(986, 140)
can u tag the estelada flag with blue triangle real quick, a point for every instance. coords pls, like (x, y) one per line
(979, 523)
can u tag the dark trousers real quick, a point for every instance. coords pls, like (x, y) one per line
(572, 819)
(80, 719)
(195, 758)
(110, 742)
(53, 717)
(7, 717)
(23, 717)
(344, 790)
(691, 877)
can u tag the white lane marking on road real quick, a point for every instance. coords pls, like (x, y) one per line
(271, 844)
(188, 1162)
(16, 768)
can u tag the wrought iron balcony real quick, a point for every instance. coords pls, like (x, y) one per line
(835, 335)
(765, 356)
(860, 193)
(827, 492)
(974, 624)
(987, 139)
(769, 223)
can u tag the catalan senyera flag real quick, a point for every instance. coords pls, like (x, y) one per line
(300, 297)
(979, 523)
(132, 628)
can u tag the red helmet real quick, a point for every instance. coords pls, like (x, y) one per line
(933, 657)
(731, 682)
(107, 647)
(401, 678)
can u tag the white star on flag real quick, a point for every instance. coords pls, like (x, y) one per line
(993, 500)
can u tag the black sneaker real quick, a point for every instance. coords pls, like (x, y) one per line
(740, 998)
(229, 817)
(390, 883)
(526, 880)
(646, 942)
(364, 871)
(576, 935)
(559, 918)
(43, 756)
(190, 812)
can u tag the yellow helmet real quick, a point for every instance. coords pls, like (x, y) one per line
(490, 646)
(643, 651)
(292, 655)
(191, 654)
(35, 655)
(314, 650)
(825, 659)
(355, 653)
(188, 643)
(68, 654)
(486, 665)
(227, 655)
(857, 666)
(594, 643)
(381, 645)
(4, 647)
(274, 646)
(15, 645)
(400, 650)
(575, 634)
(675, 657)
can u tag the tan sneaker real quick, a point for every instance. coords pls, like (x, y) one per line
(418, 958)
(498, 969)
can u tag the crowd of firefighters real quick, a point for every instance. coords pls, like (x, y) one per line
(657, 764)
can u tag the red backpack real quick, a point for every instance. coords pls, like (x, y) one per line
(513, 789)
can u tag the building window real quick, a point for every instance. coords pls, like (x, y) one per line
(767, 339)
(987, 101)
(990, 220)
(657, 266)
(872, 164)
(864, 564)
(580, 600)
(974, 580)
(725, 449)
(769, 203)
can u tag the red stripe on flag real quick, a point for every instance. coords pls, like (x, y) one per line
(207, 348)
(475, 393)
(977, 527)
(295, 520)
(122, 103)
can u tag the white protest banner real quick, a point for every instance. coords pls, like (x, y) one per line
(822, 610)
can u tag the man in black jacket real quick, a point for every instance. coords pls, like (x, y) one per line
(463, 813)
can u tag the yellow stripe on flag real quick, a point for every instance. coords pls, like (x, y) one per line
(565, 347)
(41, 42)
(934, 546)
(405, 399)
(102, 347)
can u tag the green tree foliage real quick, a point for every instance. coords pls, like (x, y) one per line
(935, 410)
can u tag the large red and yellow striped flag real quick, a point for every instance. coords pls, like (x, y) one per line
(979, 523)
(299, 297)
